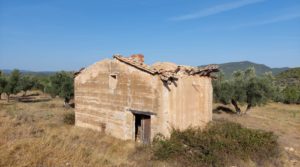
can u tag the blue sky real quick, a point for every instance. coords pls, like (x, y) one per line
(69, 34)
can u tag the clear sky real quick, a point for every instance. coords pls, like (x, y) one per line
(70, 34)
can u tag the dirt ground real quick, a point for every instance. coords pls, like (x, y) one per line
(282, 119)
(33, 133)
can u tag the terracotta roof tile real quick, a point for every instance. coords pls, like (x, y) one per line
(165, 72)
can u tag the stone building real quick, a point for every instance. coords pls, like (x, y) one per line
(128, 99)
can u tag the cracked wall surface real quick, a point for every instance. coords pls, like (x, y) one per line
(106, 91)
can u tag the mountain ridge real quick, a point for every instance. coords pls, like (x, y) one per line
(230, 67)
(227, 68)
(28, 72)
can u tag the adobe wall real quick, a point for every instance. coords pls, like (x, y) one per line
(189, 103)
(102, 102)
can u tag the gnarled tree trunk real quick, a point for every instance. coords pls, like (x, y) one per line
(237, 108)
(66, 102)
(249, 106)
(24, 94)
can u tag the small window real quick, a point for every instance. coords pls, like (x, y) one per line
(114, 76)
(113, 81)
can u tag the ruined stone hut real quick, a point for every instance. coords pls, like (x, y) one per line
(128, 99)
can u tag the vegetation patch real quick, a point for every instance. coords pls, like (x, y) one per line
(69, 118)
(221, 143)
(289, 77)
(244, 88)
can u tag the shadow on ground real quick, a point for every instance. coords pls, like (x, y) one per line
(220, 109)
(30, 99)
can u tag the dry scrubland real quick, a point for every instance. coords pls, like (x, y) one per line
(282, 119)
(33, 133)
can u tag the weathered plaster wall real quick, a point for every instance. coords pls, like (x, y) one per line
(105, 90)
(189, 103)
(101, 101)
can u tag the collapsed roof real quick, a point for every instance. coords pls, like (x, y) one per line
(167, 72)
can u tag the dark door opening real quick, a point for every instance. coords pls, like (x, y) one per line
(142, 128)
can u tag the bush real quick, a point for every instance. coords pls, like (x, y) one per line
(291, 95)
(221, 144)
(69, 118)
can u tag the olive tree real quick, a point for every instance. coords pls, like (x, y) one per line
(13, 84)
(40, 82)
(259, 90)
(26, 83)
(61, 84)
(3, 83)
(245, 88)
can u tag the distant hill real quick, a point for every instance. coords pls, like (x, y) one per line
(226, 68)
(229, 68)
(289, 77)
(26, 72)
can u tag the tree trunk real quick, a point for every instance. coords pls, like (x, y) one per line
(8, 98)
(249, 106)
(0, 95)
(24, 93)
(66, 102)
(237, 108)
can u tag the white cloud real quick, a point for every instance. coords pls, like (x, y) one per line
(216, 10)
(270, 21)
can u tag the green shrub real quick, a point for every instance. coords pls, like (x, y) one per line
(291, 94)
(69, 118)
(221, 144)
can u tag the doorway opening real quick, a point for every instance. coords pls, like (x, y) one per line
(142, 128)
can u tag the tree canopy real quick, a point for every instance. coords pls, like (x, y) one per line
(3, 83)
(244, 88)
(61, 84)
(13, 83)
(26, 83)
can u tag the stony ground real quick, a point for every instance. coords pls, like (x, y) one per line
(282, 119)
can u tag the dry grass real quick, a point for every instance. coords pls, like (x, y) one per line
(282, 119)
(33, 133)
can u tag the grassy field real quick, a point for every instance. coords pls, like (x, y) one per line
(282, 119)
(33, 133)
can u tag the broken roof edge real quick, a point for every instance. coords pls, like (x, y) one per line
(76, 73)
(84, 69)
(139, 65)
(164, 74)
(190, 71)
